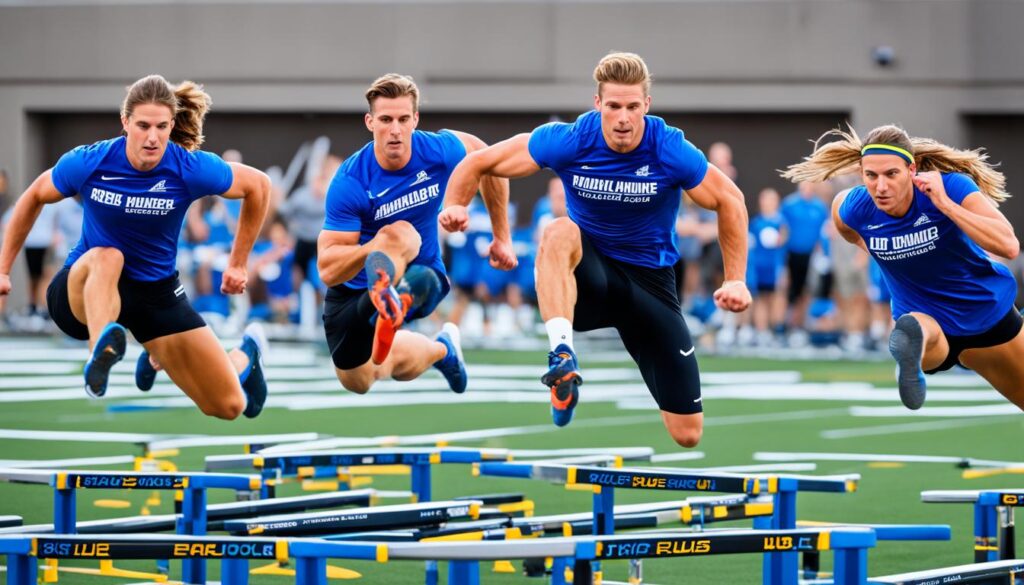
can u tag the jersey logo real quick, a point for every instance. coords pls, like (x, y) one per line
(378, 195)
(922, 220)
(106, 178)
(875, 226)
(644, 171)
(160, 187)
(587, 168)
(421, 177)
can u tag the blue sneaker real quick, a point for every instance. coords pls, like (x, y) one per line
(452, 365)
(145, 375)
(419, 291)
(109, 350)
(563, 377)
(254, 343)
(906, 344)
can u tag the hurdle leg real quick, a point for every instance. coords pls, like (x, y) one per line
(558, 567)
(780, 568)
(986, 529)
(432, 575)
(464, 573)
(234, 572)
(310, 571)
(1007, 534)
(22, 570)
(64, 511)
(851, 566)
(421, 481)
(194, 523)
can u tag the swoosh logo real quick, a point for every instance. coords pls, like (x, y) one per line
(382, 193)
(106, 178)
(687, 353)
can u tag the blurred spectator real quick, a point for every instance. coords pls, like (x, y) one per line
(720, 155)
(767, 237)
(270, 269)
(881, 305)
(41, 239)
(805, 213)
(303, 211)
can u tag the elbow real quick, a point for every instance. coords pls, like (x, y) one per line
(1012, 248)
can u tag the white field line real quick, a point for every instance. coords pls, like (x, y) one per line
(59, 463)
(778, 456)
(935, 411)
(916, 427)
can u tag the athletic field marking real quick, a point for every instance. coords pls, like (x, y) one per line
(779, 456)
(916, 427)
(935, 411)
(59, 463)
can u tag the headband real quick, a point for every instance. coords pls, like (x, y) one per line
(887, 149)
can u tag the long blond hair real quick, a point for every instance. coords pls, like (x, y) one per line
(188, 104)
(842, 156)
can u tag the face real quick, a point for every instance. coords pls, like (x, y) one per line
(888, 179)
(768, 202)
(392, 121)
(622, 110)
(148, 129)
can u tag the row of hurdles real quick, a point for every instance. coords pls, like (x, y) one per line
(310, 529)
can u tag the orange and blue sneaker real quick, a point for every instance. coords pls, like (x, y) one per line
(452, 365)
(109, 349)
(906, 344)
(380, 276)
(254, 385)
(563, 378)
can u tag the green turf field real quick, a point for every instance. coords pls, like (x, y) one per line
(735, 429)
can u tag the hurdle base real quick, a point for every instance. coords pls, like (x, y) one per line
(333, 572)
(107, 569)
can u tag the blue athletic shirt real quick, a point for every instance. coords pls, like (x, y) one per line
(930, 264)
(804, 217)
(626, 203)
(766, 249)
(363, 197)
(139, 213)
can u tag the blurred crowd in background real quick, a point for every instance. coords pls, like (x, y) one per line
(811, 288)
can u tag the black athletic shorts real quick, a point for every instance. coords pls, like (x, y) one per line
(34, 257)
(1003, 331)
(347, 314)
(798, 265)
(149, 309)
(305, 251)
(643, 305)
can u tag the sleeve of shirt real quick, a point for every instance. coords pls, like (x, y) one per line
(346, 203)
(453, 148)
(685, 163)
(959, 186)
(72, 170)
(553, 145)
(848, 210)
(206, 173)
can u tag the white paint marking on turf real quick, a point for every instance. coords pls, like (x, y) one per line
(916, 427)
(681, 456)
(934, 411)
(779, 456)
(34, 368)
(744, 419)
(225, 440)
(765, 468)
(58, 463)
(78, 436)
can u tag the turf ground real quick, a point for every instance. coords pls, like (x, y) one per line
(735, 430)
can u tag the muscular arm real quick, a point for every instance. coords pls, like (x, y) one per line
(339, 256)
(984, 224)
(493, 188)
(844, 230)
(253, 188)
(23, 217)
(718, 193)
(507, 159)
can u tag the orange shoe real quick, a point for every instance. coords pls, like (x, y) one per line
(380, 273)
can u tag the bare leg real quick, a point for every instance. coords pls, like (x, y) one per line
(1002, 365)
(685, 429)
(92, 289)
(411, 355)
(561, 249)
(196, 363)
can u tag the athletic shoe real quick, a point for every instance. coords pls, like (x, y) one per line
(906, 344)
(563, 377)
(452, 364)
(419, 291)
(253, 383)
(145, 374)
(380, 274)
(109, 350)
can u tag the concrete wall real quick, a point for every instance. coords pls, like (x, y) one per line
(952, 57)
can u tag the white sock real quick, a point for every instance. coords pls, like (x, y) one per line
(559, 332)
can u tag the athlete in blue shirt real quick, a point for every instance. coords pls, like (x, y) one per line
(609, 263)
(382, 209)
(929, 232)
(135, 191)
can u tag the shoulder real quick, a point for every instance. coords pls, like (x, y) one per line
(852, 204)
(958, 186)
(444, 144)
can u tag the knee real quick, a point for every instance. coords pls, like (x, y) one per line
(105, 256)
(561, 236)
(400, 234)
(354, 383)
(227, 408)
(686, 435)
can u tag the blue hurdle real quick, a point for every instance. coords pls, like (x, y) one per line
(194, 486)
(1010, 571)
(779, 567)
(993, 518)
